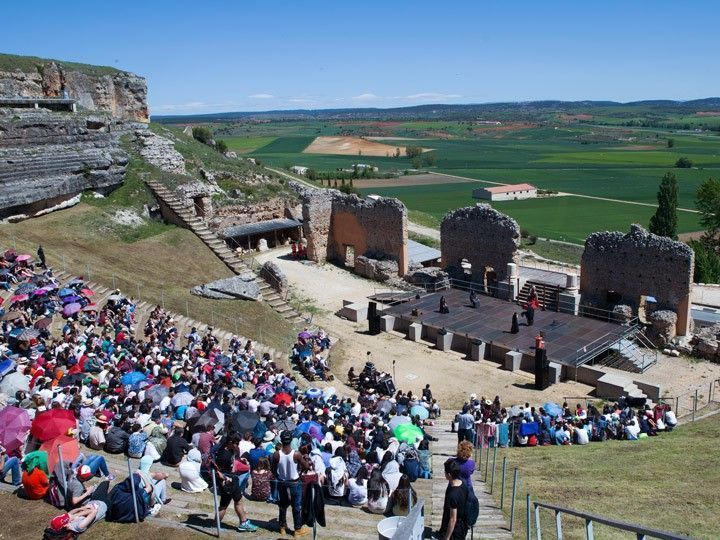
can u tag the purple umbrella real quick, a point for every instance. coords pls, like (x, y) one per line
(304, 335)
(39, 292)
(71, 299)
(14, 426)
(71, 309)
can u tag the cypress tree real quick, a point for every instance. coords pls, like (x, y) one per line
(664, 222)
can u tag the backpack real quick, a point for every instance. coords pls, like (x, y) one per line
(472, 507)
(411, 467)
(56, 494)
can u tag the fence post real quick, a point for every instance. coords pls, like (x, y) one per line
(132, 488)
(478, 452)
(62, 468)
(138, 291)
(187, 309)
(695, 400)
(492, 478)
(162, 299)
(538, 531)
(528, 527)
(215, 504)
(502, 484)
(114, 284)
(512, 503)
(487, 461)
(558, 525)
(677, 404)
(589, 535)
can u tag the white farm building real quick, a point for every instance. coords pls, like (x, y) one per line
(509, 192)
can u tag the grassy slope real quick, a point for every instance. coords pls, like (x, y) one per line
(11, 62)
(154, 261)
(667, 483)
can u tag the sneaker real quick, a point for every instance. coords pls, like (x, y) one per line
(283, 530)
(247, 526)
(302, 531)
(155, 509)
(110, 477)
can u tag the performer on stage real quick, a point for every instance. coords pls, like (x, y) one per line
(514, 327)
(443, 305)
(473, 298)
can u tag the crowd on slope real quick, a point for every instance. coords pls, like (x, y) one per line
(487, 423)
(79, 375)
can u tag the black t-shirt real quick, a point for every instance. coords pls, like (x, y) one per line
(455, 497)
(224, 459)
(116, 440)
(175, 450)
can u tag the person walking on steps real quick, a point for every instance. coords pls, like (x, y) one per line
(288, 464)
(41, 257)
(228, 484)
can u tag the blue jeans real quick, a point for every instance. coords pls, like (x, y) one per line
(12, 464)
(290, 493)
(97, 464)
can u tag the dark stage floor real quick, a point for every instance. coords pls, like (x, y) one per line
(490, 322)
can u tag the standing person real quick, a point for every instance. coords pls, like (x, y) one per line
(288, 464)
(473, 298)
(41, 256)
(453, 525)
(443, 305)
(514, 326)
(228, 484)
(466, 425)
(467, 464)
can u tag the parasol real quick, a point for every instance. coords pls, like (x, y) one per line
(245, 421)
(14, 427)
(28, 334)
(43, 324)
(14, 382)
(87, 292)
(24, 257)
(419, 410)
(284, 425)
(25, 288)
(69, 446)
(66, 292)
(18, 298)
(409, 433)
(157, 393)
(71, 309)
(131, 378)
(384, 406)
(183, 398)
(53, 423)
(71, 299)
(12, 315)
(399, 420)
(282, 397)
(553, 409)
(311, 428)
(214, 418)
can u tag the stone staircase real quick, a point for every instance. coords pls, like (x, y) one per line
(613, 386)
(491, 522)
(221, 250)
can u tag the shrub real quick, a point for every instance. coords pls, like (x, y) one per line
(683, 163)
(221, 147)
(202, 134)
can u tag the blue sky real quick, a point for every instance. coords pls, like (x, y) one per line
(212, 56)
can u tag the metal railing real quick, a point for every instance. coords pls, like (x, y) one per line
(640, 531)
(689, 405)
(412, 526)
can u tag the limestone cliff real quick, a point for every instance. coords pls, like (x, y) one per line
(95, 88)
(47, 158)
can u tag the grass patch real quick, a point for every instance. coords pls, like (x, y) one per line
(567, 253)
(244, 145)
(11, 62)
(667, 483)
(425, 240)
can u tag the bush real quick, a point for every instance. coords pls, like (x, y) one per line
(707, 263)
(413, 151)
(532, 240)
(202, 134)
(524, 233)
(683, 163)
(348, 189)
(221, 147)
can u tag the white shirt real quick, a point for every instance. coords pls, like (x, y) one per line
(582, 436)
(164, 403)
(253, 405)
(670, 418)
(357, 495)
(244, 447)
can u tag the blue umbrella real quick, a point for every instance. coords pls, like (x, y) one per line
(133, 377)
(419, 410)
(66, 292)
(311, 428)
(71, 299)
(553, 409)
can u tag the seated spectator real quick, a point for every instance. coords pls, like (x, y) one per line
(176, 448)
(157, 480)
(116, 438)
(136, 442)
(403, 498)
(337, 475)
(378, 493)
(189, 469)
(358, 489)
(10, 464)
(670, 419)
(79, 520)
(96, 437)
(35, 482)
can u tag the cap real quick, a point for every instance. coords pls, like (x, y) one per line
(84, 473)
(58, 523)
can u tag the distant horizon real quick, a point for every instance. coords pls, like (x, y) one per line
(428, 105)
(282, 55)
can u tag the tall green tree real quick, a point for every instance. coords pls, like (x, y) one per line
(664, 222)
(707, 200)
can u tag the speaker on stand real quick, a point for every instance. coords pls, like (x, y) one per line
(542, 369)
(373, 319)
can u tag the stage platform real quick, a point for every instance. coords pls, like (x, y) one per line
(570, 340)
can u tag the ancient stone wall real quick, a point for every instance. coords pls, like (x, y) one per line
(636, 264)
(241, 214)
(333, 222)
(47, 158)
(122, 94)
(486, 238)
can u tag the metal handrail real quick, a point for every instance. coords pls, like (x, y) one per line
(641, 531)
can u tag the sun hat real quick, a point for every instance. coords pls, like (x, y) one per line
(102, 419)
(269, 436)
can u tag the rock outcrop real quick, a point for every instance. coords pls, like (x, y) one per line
(229, 288)
(274, 276)
(119, 93)
(160, 152)
(47, 159)
(431, 279)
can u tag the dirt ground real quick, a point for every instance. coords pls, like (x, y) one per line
(410, 180)
(451, 377)
(350, 146)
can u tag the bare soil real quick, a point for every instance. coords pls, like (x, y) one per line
(350, 146)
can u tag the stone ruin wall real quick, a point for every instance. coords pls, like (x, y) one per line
(635, 264)
(242, 214)
(333, 220)
(122, 94)
(482, 235)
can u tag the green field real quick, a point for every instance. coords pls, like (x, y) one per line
(562, 218)
(608, 161)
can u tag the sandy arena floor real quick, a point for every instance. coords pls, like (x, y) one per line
(451, 378)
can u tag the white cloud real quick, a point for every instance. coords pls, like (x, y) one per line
(365, 97)
(301, 100)
(261, 96)
(429, 96)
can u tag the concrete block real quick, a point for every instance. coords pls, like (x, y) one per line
(387, 323)
(569, 302)
(477, 351)
(554, 373)
(444, 341)
(513, 360)
(415, 332)
(354, 312)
